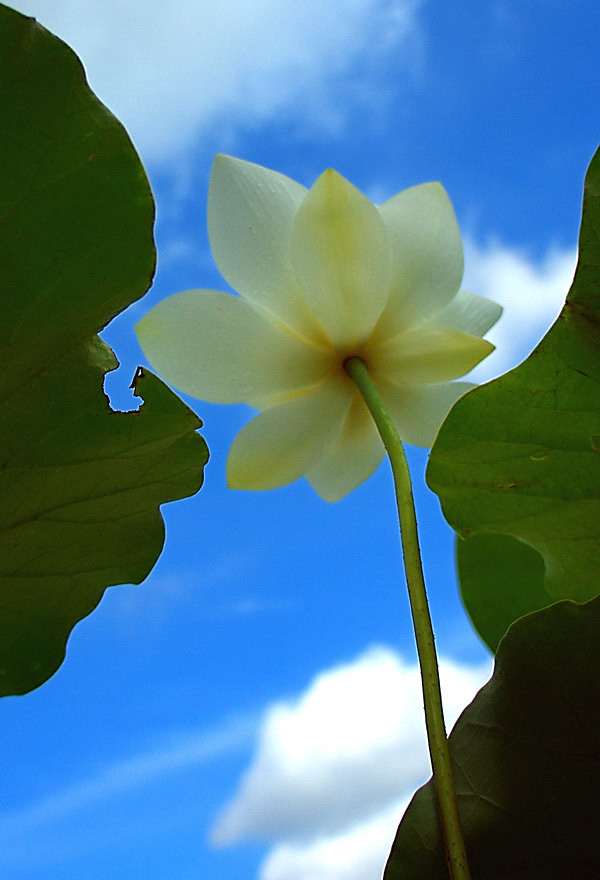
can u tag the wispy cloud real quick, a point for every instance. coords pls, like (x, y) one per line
(201, 590)
(333, 768)
(248, 606)
(171, 71)
(180, 751)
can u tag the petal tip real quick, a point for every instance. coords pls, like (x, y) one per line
(438, 191)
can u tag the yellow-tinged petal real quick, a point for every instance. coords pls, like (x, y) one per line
(419, 410)
(427, 256)
(250, 215)
(341, 259)
(283, 443)
(354, 456)
(218, 347)
(468, 312)
(425, 355)
(322, 274)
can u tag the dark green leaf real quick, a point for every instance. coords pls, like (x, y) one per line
(520, 458)
(514, 583)
(80, 485)
(526, 754)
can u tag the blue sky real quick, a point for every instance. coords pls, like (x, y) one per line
(252, 710)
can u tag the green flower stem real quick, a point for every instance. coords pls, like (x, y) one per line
(434, 715)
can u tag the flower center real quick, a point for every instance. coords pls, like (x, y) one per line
(352, 358)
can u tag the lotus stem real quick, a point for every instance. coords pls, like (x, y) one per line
(434, 715)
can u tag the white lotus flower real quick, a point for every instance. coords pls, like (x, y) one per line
(322, 274)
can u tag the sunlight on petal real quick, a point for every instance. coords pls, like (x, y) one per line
(354, 456)
(427, 256)
(283, 443)
(427, 356)
(217, 347)
(419, 410)
(468, 312)
(341, 258)
(250, 215)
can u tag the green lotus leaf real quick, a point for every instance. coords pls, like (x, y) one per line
(517, 462)
(526, 759)
(80, 484)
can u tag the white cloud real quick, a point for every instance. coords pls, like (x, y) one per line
(532, 293)
(357, 853)
(334, 768)
(171, 70)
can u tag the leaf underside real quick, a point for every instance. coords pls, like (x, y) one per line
(80, 484)
(526, 756)
(516, 464)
